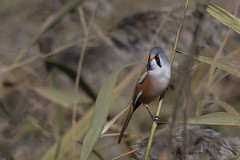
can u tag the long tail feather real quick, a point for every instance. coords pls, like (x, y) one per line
(125, 124)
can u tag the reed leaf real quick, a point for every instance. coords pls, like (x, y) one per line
(218, 118)
(66, 141)
(60, 97)
(224, 17)
(100, 114)
(213, 62)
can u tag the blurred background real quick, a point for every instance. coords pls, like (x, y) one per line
(37, 91)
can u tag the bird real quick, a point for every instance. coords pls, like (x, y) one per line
(152, 83)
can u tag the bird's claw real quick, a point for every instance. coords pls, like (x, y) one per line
(156, 118)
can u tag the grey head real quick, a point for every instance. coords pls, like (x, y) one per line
(157, 56)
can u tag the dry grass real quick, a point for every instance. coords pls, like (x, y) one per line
(70, 62)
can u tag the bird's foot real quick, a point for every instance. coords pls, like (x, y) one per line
(156, 119)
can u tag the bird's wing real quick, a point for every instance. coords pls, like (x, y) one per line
(136, 98)
(137, 90)
(135, 104)
(142, 77)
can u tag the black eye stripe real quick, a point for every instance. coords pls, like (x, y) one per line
(158, 61)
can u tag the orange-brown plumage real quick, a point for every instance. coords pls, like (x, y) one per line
(151, 84)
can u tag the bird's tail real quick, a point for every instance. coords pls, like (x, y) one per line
(125, 124)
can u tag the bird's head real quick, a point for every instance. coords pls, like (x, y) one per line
(157, 59)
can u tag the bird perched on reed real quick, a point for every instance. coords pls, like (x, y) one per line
(151, 84)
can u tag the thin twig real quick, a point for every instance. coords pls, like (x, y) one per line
(211, 73)
(154, 127)
(41, 56)
(125, 154)
(178, 33)
(110, 123)
(19, 57)
(133, 137)
(78, 76)
(159, 29)
(217, 56)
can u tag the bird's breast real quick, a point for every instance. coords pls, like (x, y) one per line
(160, 78)
(155, 83)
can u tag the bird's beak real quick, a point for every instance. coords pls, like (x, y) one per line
(151, 57)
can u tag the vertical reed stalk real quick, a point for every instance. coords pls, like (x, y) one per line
(154, 126)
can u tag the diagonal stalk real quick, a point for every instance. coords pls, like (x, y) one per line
(154, 126)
